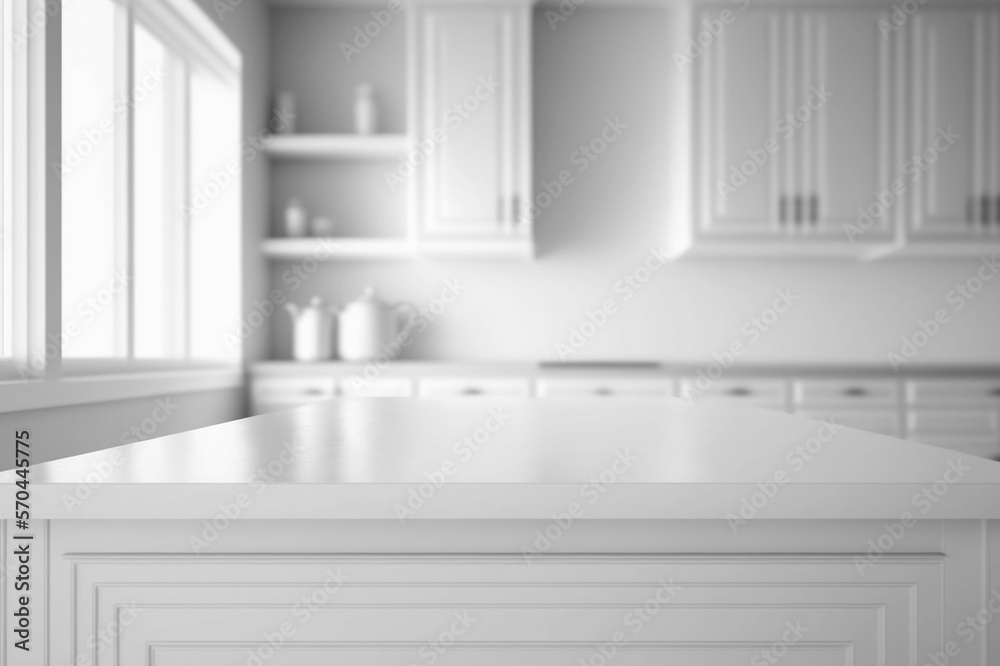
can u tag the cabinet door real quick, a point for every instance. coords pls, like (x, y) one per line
(879, 421)
(973, 431)
(990, 196)
(952, 87)
(854, 139)
(738, 104)
(471, 78)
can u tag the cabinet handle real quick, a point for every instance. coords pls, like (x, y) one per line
(814, 209)
(798, 209)
(499, 209)
(985, 210)
(472, 390)
(855, 392)
(783, 210)
(515, 206)
(996, 211)
(604, 390)
(969, 214)
(739, 391)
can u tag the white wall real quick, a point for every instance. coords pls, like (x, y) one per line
(600, 64)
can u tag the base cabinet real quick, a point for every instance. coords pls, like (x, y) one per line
(955, 413)
(369, 593)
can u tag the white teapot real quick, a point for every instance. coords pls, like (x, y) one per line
(369, 327)
(313, 330)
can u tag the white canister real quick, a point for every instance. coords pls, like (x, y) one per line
(364, 110)
(296, 224)
(312, 330)
(284, 113)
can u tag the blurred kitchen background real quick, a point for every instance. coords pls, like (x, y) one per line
(794, 205)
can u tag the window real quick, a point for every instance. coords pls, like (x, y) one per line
(92, 303)
(6, 208)
(150, 234)
(147, 117)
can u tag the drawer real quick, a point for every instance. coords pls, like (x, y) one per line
(953, 423)
(435, 387)
(383, 387)
(953, 392)
(983, 447)
(273, 394)
(770, 393)
(862, 392)
(309, 388)
(881, 421)
(588, 386)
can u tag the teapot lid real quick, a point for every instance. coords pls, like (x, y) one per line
(368, 295)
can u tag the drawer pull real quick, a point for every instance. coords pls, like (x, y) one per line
(739, 391)
(855, 392)
(472, 390)
(314, 391)
(604, 390)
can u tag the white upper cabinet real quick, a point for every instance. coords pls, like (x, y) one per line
(473, 122)
(837, 130)
(794, 112)
(851, 148)
(955, 142)
(737, 99)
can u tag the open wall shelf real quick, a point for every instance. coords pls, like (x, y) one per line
(338, 248)
(338, 146)
(294, 249)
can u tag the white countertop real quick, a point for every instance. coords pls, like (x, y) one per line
(362, 458)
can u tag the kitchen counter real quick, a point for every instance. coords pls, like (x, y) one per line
(481, 530)
(515, 458)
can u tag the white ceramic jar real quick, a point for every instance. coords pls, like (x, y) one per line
(313, 330)
(364, 110)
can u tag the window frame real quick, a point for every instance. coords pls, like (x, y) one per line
(6, 190)
(31, 246)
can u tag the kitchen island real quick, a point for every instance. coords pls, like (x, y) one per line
(498, 531)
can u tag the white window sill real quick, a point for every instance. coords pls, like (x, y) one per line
(123, 381)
